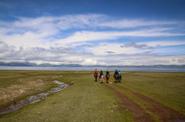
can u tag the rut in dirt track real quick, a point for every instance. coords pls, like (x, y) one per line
(164, 113)
(139, 114)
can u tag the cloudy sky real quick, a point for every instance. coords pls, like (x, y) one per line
(91, 32)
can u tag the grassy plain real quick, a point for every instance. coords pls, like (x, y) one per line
(89, 101)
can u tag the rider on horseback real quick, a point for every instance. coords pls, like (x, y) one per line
(117, 76)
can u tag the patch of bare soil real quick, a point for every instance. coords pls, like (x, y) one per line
(139, 114)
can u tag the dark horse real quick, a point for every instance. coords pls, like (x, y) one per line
(117, 76)
(107, 76)
(95, 75)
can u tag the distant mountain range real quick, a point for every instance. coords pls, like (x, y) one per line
(77, 65)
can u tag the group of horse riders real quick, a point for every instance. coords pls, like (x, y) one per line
(98, 75)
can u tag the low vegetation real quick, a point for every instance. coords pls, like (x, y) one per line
(87, 100)
(15, 85)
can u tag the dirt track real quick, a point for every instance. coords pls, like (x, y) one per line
(164, 113)
(138, 113)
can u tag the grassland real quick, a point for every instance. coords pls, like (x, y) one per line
(167, 88)
(15, 85)
(135, 99)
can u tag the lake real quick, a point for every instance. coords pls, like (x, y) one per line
(91, 68)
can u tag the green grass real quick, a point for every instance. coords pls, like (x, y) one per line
(166, 88)
(84, 101)
(88, 101)
(16, 85)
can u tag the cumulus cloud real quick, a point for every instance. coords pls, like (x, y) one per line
(88, 39)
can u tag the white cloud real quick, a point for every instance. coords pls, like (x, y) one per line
(125, 56)
(80, 21)
(116, 49)
(127, 23)
(87, 36)
(54, 40)
(163, 43)
(89, 61)
(32, 32)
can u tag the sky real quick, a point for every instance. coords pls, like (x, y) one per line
(93, 32)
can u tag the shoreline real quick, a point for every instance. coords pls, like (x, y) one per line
(123, 69)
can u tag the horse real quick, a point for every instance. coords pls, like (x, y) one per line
(107, 76)
(95, 75)
(117, 77)
(101, 79)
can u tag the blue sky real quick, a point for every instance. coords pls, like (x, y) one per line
(163, 9)
(90, 32)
